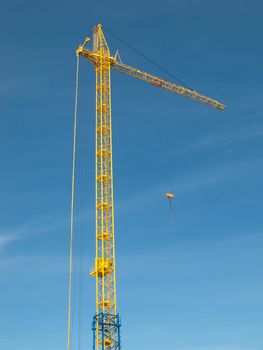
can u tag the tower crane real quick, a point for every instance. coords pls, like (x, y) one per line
(106, 322)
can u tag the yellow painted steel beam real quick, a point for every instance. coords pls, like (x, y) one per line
(152, 79)
(104, 267)
(161, 83)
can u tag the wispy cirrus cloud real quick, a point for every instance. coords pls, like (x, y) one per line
(230, 137)
(5, 239)
(191, 255)
(200, 179)
(28, 229)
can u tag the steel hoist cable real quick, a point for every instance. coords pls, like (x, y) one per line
(131, 47)
(72, 203)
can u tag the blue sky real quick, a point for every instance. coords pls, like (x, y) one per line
(192, 285)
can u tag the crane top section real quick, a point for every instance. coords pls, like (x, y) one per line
(100, 50)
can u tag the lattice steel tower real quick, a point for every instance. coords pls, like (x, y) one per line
(106, 324)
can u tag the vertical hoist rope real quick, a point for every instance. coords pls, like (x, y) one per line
(171, 211)
(72, 202)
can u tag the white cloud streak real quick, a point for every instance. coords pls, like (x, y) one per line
(198, 180)
(233, 136)
(31, 228)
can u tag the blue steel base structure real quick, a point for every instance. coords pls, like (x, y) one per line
(108, 327)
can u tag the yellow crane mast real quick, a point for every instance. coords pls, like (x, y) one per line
(106, 322)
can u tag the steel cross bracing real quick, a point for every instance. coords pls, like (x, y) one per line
(115, 64)
(105, 332)
(106, 323)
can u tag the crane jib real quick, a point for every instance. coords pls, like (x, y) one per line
(158, 82)
(149, 78)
